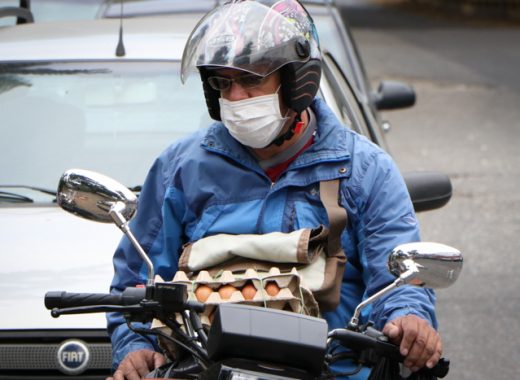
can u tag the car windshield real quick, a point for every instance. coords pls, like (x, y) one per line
(52, 10)
(111, 117)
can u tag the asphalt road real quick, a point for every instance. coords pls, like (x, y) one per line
(466, 123)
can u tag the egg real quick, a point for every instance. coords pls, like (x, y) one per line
(272, 288)
(226, 291)
(248, 291)
(203, 292)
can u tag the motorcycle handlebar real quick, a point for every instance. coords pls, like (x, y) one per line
(358, 341)
(61, 299)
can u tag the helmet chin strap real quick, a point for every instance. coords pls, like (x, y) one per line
(296, 127)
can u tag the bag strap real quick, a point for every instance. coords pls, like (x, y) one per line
(329, 194)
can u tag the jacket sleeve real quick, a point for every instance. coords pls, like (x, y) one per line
(387, 219)
(130, 269)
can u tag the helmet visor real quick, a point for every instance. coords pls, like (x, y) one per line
(251, 36)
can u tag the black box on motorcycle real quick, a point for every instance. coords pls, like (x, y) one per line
(268, 335)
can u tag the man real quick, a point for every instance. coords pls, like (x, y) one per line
(257, 171)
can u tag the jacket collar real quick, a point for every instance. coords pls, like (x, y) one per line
(330, 141)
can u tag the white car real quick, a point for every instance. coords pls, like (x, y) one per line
(68, 100)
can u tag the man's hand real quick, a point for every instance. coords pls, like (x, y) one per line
(419, 342)
(137, 365)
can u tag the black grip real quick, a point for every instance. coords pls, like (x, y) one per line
(196, 306)
(358, 341)
(61, 299)
(354, 340)
(440, 370)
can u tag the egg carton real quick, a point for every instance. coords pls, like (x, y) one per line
(290, 296)
(286, 294)
(287, 285)
(293, 305)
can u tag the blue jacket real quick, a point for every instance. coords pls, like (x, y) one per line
(208, 183)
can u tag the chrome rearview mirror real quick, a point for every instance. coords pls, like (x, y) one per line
(97, 197)
(431, 265)
(92, 195)
(436, 265)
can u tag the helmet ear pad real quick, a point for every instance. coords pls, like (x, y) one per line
(211, 95)
(300, 83)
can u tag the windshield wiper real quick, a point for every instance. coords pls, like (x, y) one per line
(136, 189)
(14, 198)
(9, 196)
(35, 188)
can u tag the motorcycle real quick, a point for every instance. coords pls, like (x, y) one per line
(245, 341)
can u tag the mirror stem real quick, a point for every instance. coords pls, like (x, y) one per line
(405, 278)
(122, 223)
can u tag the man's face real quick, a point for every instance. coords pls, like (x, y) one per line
(236, 85)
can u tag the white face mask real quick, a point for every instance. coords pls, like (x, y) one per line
(254, 122)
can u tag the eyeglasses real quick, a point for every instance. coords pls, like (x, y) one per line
(246, 81)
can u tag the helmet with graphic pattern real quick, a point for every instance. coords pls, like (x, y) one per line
(258, 37)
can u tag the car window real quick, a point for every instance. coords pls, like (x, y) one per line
(335, 38)
(327, 95)
(113, 117)
(346, 105)
(331, 39)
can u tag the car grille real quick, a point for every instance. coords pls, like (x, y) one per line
(34, 354)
